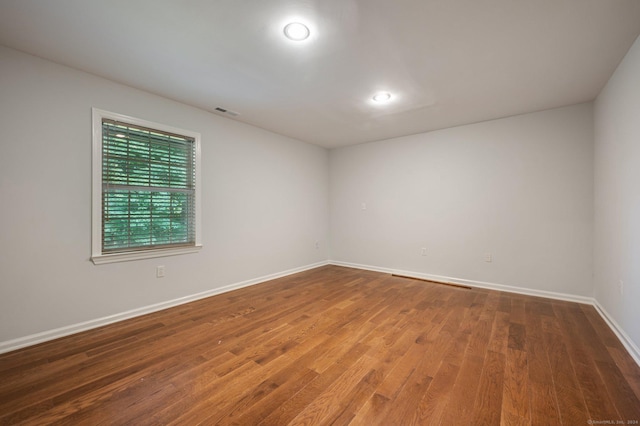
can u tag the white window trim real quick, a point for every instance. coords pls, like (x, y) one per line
(97, 257)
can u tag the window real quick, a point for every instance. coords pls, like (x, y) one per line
(146, 198)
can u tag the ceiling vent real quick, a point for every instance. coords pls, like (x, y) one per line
(227, 112)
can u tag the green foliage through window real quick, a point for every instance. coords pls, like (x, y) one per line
(148, 188)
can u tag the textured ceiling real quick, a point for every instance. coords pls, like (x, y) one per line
(447, 62)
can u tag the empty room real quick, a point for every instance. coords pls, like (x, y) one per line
(419, 212)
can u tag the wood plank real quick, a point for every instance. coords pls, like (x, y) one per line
(297, 403)
(571, 402)
(584, 352)
(542, 393)
(459, 409)
(431, 407)
(622, 395)
(517, 336)
(515, 391)
(499, 340)
(488, 403)
(330, 403)
(628, 368)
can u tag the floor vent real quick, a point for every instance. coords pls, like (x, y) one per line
(434, 281)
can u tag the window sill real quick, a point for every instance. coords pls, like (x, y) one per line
(101, 259)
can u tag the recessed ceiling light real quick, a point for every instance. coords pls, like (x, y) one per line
(296, 31)
(382, 97)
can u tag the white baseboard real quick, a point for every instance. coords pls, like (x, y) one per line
(472, 283)
(624, 338)
(33, 339)
(629, 345)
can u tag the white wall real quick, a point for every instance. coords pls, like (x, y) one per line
(617, 195)
(519, 188)
(265, 201)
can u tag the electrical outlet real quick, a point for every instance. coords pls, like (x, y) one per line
(487, 257)
(424, 251)
(621, 287)
(160, 271)
(317, 245)
(364, 206)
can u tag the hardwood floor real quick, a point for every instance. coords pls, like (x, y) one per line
(333, 346)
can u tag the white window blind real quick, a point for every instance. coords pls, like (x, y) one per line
(148, 189)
